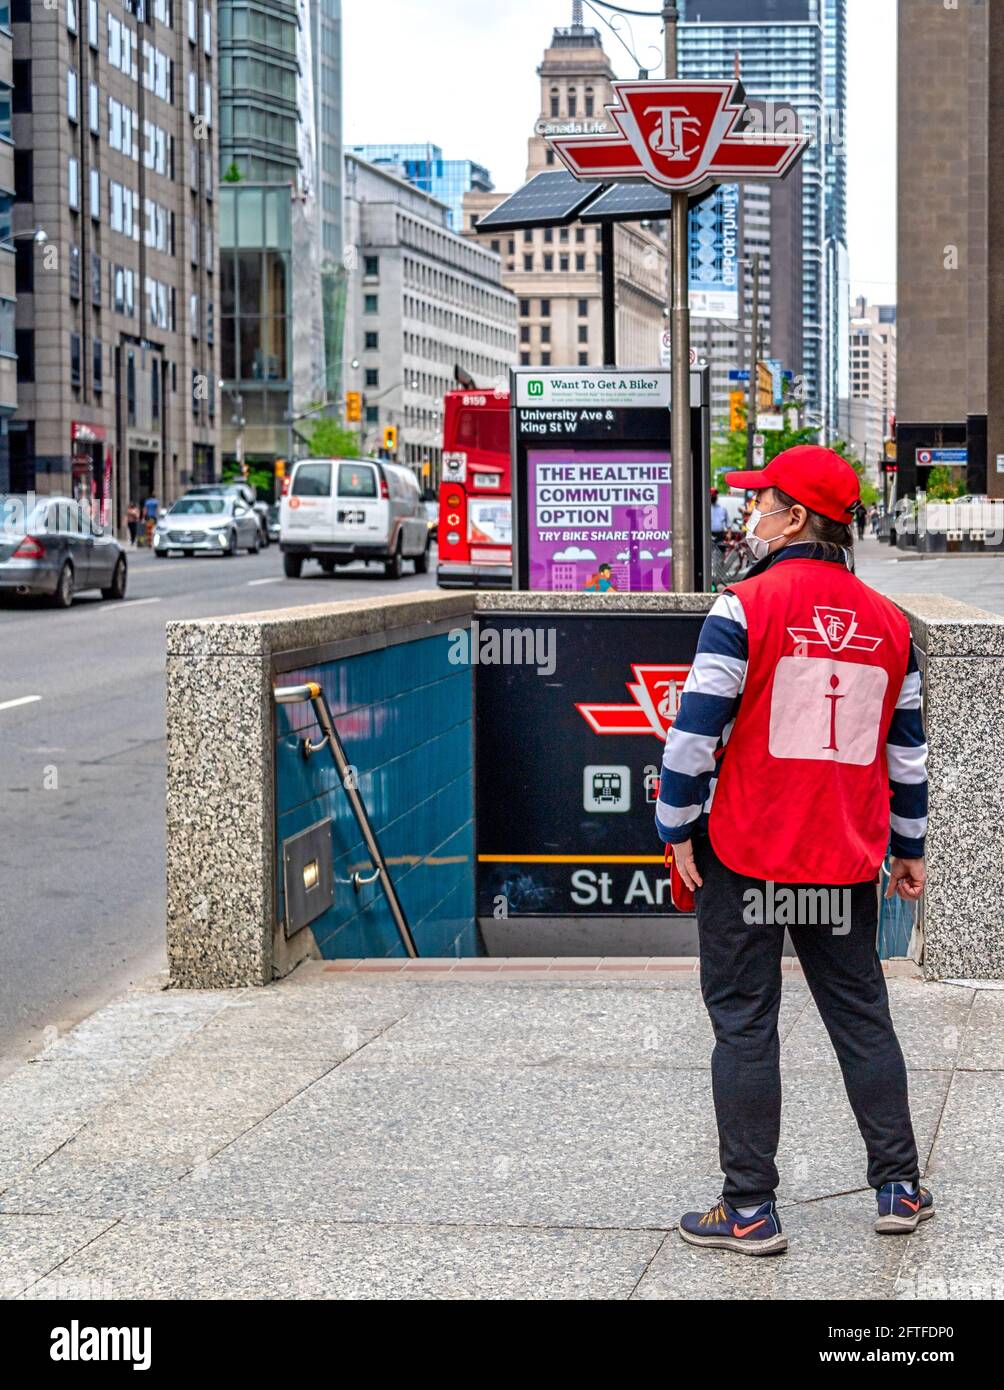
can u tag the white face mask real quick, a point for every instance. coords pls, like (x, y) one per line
(757, 545)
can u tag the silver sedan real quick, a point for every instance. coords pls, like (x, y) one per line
(220, 524)
(52, 546)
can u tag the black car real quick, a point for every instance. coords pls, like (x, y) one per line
(52, 546)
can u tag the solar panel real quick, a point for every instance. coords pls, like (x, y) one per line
(633, 202)
(621, 202)
(550, 199)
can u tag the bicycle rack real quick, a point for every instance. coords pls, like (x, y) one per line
(313, 694)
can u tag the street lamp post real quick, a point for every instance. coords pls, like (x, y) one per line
(37, 234)
(292, 417)
(237, 418)
(411, 383)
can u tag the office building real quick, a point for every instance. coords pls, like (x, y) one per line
(12, 261)
(726, 230)
(114, 121)
(427, 170)
(259, 72)
(872, 404)
(836, 267)
(326, 40)
(272, 351)
(555, 272)
(424, 166)
(423, 301)
(793, 53)
(950, 232)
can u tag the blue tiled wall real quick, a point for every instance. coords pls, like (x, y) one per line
(404, 714)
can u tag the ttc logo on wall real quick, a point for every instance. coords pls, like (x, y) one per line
(680, 135)
(656, 691)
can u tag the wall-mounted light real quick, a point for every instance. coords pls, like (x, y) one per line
(308, 875)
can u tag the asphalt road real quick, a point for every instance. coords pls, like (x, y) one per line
(82, 776)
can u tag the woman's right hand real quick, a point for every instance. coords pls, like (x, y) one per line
(683, 857)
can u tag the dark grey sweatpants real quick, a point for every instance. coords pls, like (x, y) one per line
(741, 985)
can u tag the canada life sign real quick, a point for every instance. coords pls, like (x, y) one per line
(680, 135)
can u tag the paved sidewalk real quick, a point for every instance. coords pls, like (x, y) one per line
(975, 579)
(528, 1131)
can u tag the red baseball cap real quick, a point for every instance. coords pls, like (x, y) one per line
(818, 478)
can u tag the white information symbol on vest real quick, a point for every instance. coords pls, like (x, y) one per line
(825, 709)
(834, 682)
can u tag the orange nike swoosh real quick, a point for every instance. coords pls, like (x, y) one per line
(914, 1206)
(741, 1231)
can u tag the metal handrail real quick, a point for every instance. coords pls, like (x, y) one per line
(312, 693)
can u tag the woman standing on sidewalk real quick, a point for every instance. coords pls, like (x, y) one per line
(799, 728)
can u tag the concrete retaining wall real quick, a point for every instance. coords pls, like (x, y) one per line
(961, 650)
(222, 909)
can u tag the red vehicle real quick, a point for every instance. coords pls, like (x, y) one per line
(475, 495)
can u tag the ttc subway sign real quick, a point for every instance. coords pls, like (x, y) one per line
(681, 135)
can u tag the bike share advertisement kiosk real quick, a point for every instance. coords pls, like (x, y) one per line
(571, 726)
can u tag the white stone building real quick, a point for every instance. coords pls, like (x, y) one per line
(421, 301)
(872, 380)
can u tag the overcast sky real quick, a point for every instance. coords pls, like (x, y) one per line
(462, 75)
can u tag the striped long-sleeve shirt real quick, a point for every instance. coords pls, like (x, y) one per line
(708, 706)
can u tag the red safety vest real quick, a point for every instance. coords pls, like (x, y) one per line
(803, 794)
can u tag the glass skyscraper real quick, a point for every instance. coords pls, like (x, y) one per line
(258, 87)
(272, 322)
(794, 52)
(425, 168)
(326, 36)
(326, 53)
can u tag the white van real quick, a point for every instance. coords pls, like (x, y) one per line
(339, 510)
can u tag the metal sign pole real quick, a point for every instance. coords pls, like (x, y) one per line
(607, 233)
(754, 361)
(679, 297)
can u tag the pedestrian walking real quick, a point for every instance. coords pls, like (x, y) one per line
(719, 519)
(132, 522)
(796, 758)
(150, 509)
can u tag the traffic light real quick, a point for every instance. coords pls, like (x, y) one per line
(353, 406)
(390, 438)
(764, 387)
(737, 410)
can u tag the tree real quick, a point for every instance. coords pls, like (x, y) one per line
(728, 455)
(329, 439)
(233, 173)
(944, 483)
(261, 479)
